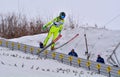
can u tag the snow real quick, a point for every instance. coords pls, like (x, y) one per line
(104, 13)
(18, 64)
(100, 41)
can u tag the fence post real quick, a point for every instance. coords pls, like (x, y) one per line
(12, 45)
(6, 43)
(25, 47)
(1, 42)
(88, 63)
(109, 70)
(45, 53)
(61, 56)
(70, 58)
(119, 73)
(79, 61)
(53, 55)
(31, 50)
(38, 51)
(18, 46)
(98, 66)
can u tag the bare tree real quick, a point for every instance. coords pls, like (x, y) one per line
(12, 26)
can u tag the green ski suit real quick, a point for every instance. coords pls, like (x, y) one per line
(56, 25)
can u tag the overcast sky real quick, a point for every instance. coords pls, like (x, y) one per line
(101, 12)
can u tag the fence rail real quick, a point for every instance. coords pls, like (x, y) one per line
(103, 69)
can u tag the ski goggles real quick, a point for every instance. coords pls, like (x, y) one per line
(62, 17)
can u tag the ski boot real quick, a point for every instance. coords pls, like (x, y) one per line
(41, 45)
(52, 48)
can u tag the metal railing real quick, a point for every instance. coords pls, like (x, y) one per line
(103, 69)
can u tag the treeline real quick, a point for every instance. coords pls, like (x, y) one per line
(13, 26)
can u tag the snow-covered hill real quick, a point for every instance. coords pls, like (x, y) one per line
(100, 41)
(17, 64)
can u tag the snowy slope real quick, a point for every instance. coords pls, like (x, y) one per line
(100, 41)
(18, 64)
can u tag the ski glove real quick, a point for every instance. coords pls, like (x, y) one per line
(44, 28)
(59, 32)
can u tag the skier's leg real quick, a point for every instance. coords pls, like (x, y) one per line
(55, 35)
(47, 38)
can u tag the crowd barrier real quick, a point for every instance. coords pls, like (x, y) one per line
(107, 70)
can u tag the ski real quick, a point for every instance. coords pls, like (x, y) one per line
(50, 43)
(67, 42)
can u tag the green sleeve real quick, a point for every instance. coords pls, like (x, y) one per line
(50, 23)
(61, 26)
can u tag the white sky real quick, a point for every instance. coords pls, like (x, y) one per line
(84, 11)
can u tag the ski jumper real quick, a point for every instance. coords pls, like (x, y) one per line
(56, 25)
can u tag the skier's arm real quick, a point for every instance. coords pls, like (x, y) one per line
(61, 27)
(49, 23)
